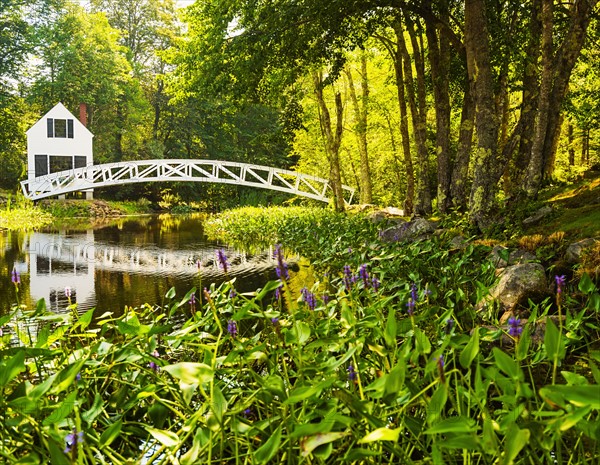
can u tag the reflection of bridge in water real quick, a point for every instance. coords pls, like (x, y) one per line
(74, 254)
(60, 261)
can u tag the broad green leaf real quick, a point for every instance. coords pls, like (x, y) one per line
(190, 372)
(302, 332)
(171, 293)
(471, 349)
(62, 411)
(111, 433)
(268, 450)
(458, 424)
(310, 443)
(67, 376)
(269, 287)
(11, 368)
(391, 327)
(395, 378)
(191, 456)
(166, 438)
(437, 403)
(586, 285)
(422, 342)
(463, 441)
(507, 364)
(516, 439)
(302, 393)
(571, 419)
(92, 413)
(219, 404)
(381, 434)
(580, 396)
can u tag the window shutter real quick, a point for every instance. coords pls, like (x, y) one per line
(70, 128)
(50, 127)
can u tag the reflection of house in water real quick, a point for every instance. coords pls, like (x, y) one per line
(61, 261)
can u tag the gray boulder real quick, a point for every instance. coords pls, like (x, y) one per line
(575, 250)
(538, 216)
(409, 231)
(499, 254)
(518, 283)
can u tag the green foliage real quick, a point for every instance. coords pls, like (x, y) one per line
(23, 215)
(256, 378)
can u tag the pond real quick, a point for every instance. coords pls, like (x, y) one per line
(129, 261)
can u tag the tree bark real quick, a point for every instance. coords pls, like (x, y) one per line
(556, 73)
(439, 61)
(422, 204)
(571, 141)
(361, 112)
(460, 172)
(333, 139)
(482, 201)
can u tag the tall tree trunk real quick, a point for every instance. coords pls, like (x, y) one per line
(395, 51)
(536, 162)
(422, 204)
(439, 61)
(519, 159)
(361, 112)
(460, 173)
(558, 74)
(571, 142)
(551, 160)
(482, 201)
(585, 147)
(333, 139)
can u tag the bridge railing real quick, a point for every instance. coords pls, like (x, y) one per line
(224, 172)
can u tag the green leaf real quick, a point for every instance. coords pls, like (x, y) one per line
(302, 393)
(166, 438)
(190, 372)
(580, 396)
(67, 376)
(507, 364)
(458, 424)
(471, 349)
(111, 433)
(395, 378)
(171, 293)
(391, 327)
(586, 285)
(302, 331)
(219, 404)
(268, 450)
(381, 434)
(437, 403)
(310, 443)
(11, 368)
(516, 440)
(62, 411)
(555, 344)
(423, 345)
(463, 441)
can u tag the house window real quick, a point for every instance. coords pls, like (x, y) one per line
(60, 163)
(61, 128)
(41, 165)
(80, 161)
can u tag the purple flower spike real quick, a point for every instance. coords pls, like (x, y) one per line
(560, 283)
(514, 328)
(351, 373)
(222, 258)
(232, 328)
(15, 277)
(413, 292)
(68, 292)
(410, 306)
(375, 283)
(153, 365)
(347, 277)
(449, 325)
(193, 299)
(72, 440)
(364, 275)
(308, 298)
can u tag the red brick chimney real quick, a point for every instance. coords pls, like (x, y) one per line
(83, 114)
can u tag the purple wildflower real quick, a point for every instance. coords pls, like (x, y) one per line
(560, 283)
(232, 328)
(275, 321)
(153, 365)
(325, 297)
(232, 294)
(278, 293)
(78, 377)
(222, 258)
(68, 292)
(15, 277)
(349, 249)
(282, 268)
(351, 373)
(449, 325)
(347, 277)
(364, 274)
(247, 412)
(308, 298)
(72, 440)
(410, 306)
(193, 300)
(413, 292)
(515, 328)
(375, 283)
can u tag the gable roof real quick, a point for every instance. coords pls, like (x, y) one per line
(59, 111)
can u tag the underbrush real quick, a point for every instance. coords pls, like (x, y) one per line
(22, 214)
(383, 360)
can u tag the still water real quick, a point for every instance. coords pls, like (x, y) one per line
(129, 261)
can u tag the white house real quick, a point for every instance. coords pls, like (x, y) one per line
(58, 142)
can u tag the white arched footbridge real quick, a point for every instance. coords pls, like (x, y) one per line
(224, 172)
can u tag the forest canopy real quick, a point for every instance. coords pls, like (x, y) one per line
(428, 105)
